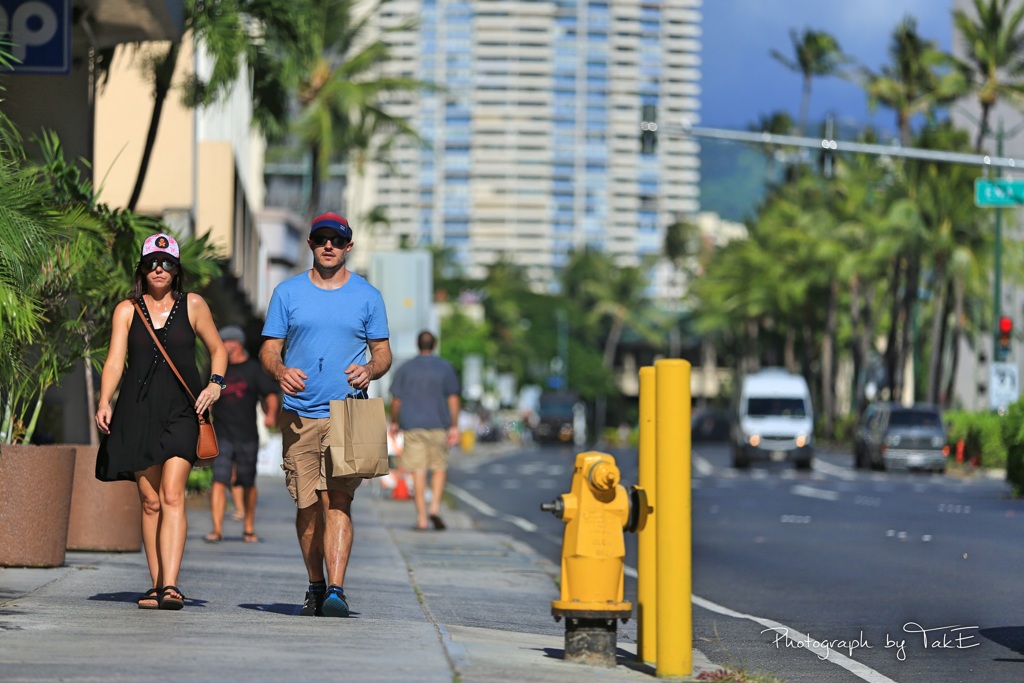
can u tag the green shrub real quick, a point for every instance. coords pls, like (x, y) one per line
(982, 436)
(1012, 434)
(842, 428)
(200, 479)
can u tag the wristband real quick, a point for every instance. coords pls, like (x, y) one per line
(218, 379)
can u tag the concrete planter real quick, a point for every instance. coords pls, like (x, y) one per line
(105, 516)
(35, 502)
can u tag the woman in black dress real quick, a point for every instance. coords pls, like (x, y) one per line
(151, 437)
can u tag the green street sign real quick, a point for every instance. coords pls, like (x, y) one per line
(998, 192)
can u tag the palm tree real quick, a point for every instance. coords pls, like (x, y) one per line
(994, 43)
(955, 239)
(919, 78)
(816, 54)
(341, 93)
(259, 38)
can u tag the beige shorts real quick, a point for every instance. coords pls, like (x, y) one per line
(304, 442)
(425, 449)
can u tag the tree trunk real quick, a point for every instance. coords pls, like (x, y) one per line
(954, 342)
(789, 350)
(163, 74)
(892, 337)
(986, 109)
(938, 325)
(827, 359)
(315, 182)
(908, 323)
(751, 358)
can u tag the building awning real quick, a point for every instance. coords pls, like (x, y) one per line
(111, 22)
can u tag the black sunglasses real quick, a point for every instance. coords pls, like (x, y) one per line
(167, 264)
(336, 241)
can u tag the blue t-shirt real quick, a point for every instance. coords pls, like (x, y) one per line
(325, 331)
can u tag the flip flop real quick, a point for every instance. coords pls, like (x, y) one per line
(213, 537)
(167, 599)
(438, 523)
(250, 537)
(150, 596)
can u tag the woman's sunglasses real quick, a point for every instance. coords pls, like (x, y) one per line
(336, 240)
(166, 264)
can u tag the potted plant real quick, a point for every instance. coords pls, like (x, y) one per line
(33, 524)
(65, 262)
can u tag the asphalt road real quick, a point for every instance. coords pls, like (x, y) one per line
(829, 576)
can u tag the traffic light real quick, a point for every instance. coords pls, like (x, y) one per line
(1005, 335)
(648, 129)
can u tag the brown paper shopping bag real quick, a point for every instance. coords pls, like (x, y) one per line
(358, 440)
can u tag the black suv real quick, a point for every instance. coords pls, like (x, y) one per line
(891, 435)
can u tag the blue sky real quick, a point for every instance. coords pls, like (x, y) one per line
(740, 79)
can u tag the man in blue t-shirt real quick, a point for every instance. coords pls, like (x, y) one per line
(319, 325)
(425, 406)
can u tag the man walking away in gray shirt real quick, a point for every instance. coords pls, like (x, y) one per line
(425, 407)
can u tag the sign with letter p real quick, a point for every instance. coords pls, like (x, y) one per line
(37, 33)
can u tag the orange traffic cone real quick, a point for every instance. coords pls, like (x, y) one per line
(401, 490)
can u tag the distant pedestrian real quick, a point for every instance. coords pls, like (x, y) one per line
(245, 385)
(425, 407)
(319, 325)
(151, 435)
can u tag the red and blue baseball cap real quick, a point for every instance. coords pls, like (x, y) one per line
(160, 245)
(334, 222)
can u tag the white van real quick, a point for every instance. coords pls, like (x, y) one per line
(773, 419)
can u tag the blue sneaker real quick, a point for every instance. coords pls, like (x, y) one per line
(335, 604)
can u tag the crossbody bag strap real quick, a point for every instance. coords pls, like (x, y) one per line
(149, 328)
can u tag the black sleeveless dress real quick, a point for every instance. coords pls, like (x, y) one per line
(154, 419)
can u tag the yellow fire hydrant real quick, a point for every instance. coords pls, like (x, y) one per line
(596, 511)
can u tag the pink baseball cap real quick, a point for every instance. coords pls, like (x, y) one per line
(160, 244)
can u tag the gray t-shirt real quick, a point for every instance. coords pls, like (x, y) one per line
(423, 385)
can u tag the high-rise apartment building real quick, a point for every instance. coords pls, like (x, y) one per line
(533, 144)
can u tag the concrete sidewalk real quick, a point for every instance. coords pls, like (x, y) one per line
(458, 605)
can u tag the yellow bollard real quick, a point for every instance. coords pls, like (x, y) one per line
(674, 578)
(646, 565)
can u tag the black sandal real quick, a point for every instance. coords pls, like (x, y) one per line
(167, 599)
(152, 595)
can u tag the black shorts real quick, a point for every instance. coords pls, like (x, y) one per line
(238, 455)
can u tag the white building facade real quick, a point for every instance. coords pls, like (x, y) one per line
(534, 142)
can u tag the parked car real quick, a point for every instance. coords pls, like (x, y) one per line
(556, 415)
(905, 437)
(773, 419)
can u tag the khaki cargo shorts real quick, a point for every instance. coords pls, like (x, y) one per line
(425, 449)
(304, 442)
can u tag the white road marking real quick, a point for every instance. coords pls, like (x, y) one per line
(485, 509)
(834, 470)
(811, 492)
(703, 467)
(863, 672)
